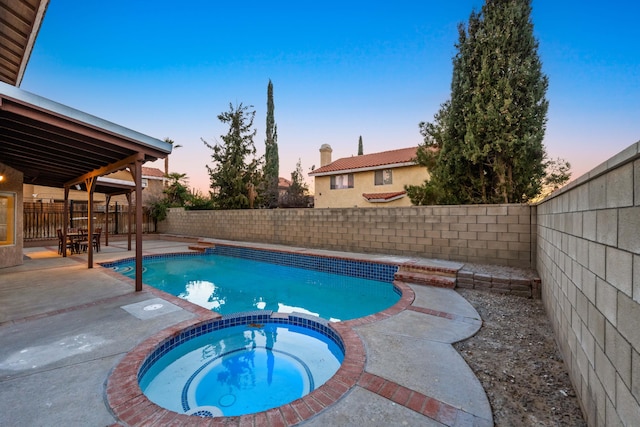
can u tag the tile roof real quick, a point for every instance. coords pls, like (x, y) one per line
(383, 197)
(152, 172)
(283, 182)
(368, 161)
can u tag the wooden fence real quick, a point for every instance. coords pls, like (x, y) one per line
(41, 220)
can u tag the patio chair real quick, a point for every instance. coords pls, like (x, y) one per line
(82, 243)
(64, 245)
(96, 239)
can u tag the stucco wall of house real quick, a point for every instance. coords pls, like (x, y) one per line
(36, 193)
(588, 257)
(11, 255)
(497, 234)
(364, 182)
(152, 192)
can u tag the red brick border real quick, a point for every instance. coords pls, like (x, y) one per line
(418, 402)
(130, 406)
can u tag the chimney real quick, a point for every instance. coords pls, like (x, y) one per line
(325, 154)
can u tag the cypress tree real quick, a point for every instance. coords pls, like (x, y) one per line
(360, 151)
(485, 145)
(271, 158)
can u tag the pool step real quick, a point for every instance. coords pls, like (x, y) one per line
(426, 279)
(202, 246)
(438, 273)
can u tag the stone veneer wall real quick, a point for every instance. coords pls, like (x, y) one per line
(497, 234)
(11, 255)
(588, 257)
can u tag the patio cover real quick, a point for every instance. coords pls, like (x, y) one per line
(20, 22)
(57, 146)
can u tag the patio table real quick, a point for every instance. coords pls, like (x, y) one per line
(77, 238)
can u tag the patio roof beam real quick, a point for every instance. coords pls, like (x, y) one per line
(114, 167)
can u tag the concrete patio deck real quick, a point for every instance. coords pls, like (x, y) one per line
(63, 330)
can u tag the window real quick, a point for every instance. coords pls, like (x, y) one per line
(339, 182)
(384, 177)
(7, 219)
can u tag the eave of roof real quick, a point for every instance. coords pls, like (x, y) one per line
(364, 169)
(41, 103)
(21, 21)
(55, 145)
(368, 162)
(383, 197)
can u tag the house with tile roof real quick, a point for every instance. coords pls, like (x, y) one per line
(369, 180)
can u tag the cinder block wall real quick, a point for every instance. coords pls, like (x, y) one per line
(588, 258)
(496, 234)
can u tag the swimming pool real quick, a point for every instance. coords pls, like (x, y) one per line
(332, 289)
(241, 365)
(123, 388)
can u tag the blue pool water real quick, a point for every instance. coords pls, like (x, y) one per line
(229, 285)
(242, 369)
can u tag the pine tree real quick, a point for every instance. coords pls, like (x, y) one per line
(232, 180)
(360, 151)
(485, 145)
(271, 158)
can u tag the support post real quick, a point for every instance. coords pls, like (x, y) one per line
(129, 222)
(64, 221)
(106, 220)
(90, 183)
(138, 178)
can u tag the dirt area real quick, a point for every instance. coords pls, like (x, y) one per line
(518, 362)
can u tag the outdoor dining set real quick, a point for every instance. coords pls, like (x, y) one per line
(78, 240)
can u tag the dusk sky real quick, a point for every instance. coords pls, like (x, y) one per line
(340, 70)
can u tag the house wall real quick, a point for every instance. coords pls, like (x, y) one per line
(588, 257)
(35, 193)
(496, 234)
(364, 182)
(153, 192)
(11, 255)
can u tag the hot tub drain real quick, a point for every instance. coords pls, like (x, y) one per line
(227, 400)
(206, 412)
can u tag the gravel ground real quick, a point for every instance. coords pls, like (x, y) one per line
(516, 359)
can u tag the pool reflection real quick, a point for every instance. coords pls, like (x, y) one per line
(238, 366)
(203, 293)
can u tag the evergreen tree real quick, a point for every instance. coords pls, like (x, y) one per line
(177, 192)
(485, 144)
(271, 158)
(360, 151)
(232, 180)
(297, 194)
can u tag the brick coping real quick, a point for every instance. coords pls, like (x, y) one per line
(131, 407)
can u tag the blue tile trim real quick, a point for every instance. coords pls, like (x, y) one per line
(237, 319)
(123, 261)
(346, 267)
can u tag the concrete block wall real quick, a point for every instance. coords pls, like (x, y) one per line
(588, 258)
(494, 234)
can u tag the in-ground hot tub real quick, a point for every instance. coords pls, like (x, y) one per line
(246, 363)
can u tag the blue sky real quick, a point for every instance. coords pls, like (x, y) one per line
(340, 70)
